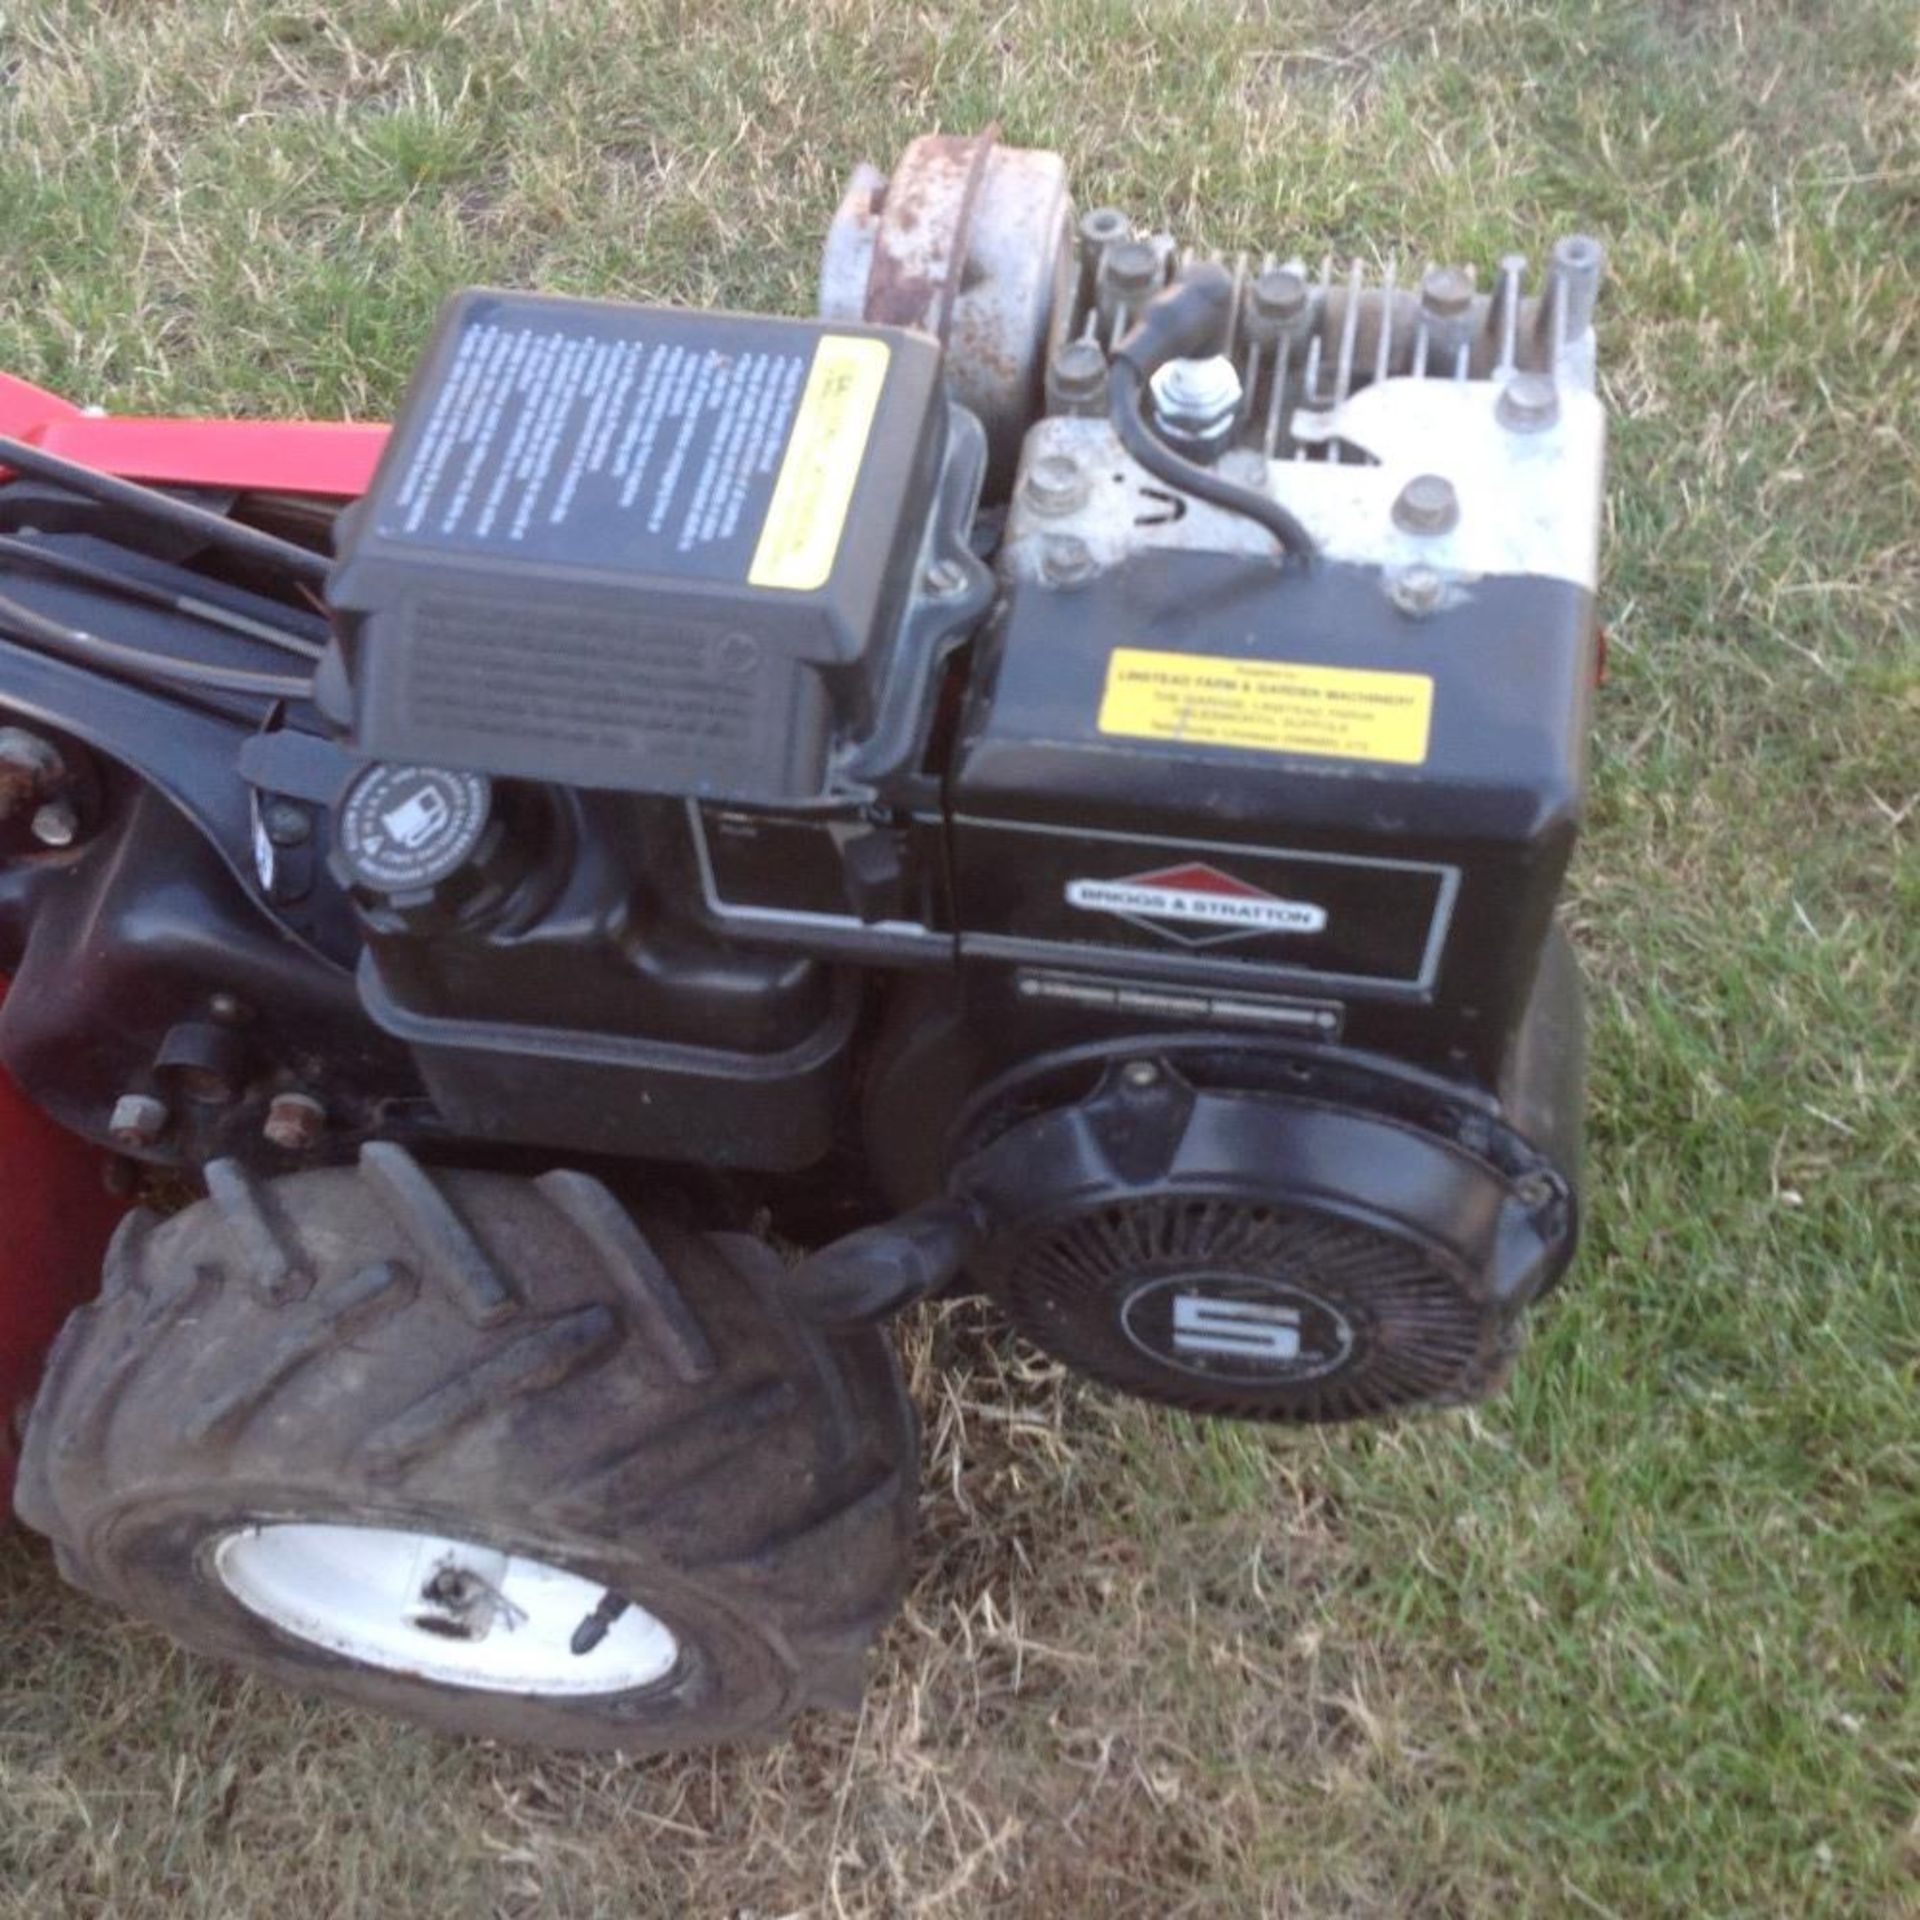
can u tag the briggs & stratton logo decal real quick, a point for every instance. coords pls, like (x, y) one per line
(1196, 905)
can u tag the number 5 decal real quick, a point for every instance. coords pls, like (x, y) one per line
(1239, 1328)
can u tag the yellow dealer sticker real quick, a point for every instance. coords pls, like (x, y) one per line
(823, 459)
(1348, 713)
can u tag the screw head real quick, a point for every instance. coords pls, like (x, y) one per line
(1535, 1190)
(1446, 292)
(1065, 560)
(1131, 269)
(1140, 1073)
(1280, 294)
(945, 578)
(229, 1009)
(286, 823)
(1055, 483)
(1529, 403)
(29, 765)
(295, 1122)
(1079, 370)
(137, 1120)
(56, 824)
(1427, 504)
(1417, 590)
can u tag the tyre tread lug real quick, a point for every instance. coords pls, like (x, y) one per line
(446, 1246)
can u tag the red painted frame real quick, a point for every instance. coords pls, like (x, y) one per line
(56, 1215)
(255, 456)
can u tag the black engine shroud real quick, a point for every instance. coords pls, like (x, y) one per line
(683, 787)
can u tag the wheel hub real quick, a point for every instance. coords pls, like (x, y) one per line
(444, 1610)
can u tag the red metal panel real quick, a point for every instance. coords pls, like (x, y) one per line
(56, 1217)
(55, 1213)
(260, 456)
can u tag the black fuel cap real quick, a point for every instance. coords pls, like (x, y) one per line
(403, 831)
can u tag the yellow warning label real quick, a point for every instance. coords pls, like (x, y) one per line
(1278, 707)
(824, 452)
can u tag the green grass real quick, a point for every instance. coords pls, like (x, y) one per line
(1640, 1637)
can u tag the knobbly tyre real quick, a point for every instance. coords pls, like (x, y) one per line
(1053, 777)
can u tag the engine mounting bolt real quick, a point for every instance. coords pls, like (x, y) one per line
(1055, 484)
(138, 1120)
(1446, 292)
(945, 578)
(295, 1122)
(287, 823)
(1417, 590)
(1427, 504)
(56, 824)
(1279, 294)
(1140, 1073)
(1529, 403)
(1130, 272)
(1065, 560)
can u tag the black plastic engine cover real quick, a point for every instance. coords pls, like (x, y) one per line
(1215, 775)
(637, 548)
(1267, 1234)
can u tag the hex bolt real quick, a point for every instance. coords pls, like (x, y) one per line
(1055, 484)
(1129, 274)
(56, 824)
(1196, 402)
(1140, 1073)
(1446, 292)
(1427, 504)
(1417, 590)
(1529, 403)
(1065, 560)
(1077, 379)
(29, 766)
(137, 1121)
(1276, 303)
(286, 823)
(295, 1122)
(945, 578)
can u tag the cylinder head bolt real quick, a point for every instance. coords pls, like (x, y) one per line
(1446, 311)
(1077, 379)
(1055, 484)
(1195, 405)
(1130, 275)
(1427, 504)
(1529, 403)
(1278, 306)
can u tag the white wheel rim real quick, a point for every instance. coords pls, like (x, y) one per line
(443, 1610)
